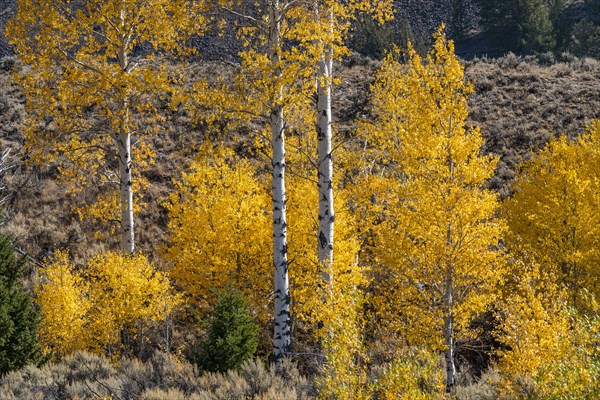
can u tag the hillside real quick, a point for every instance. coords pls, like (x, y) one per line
(424, 16)
(518, 103)
(414, 19)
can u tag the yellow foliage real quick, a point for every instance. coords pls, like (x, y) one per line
(272, 73)
(327, 25)
(220, 231)
(64, 307)
(551, 325)
(305, 280)
(221, 236)
(550, 352)
(438, 234)
(89, 308)
(345, 371)
(83, 86)
(308, 28)
(555, 212)
(337, 307)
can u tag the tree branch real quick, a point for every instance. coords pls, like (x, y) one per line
(5, 11)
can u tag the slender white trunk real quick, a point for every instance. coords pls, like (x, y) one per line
(449, 335)
(449, 307)
(282, 330)
(575, 286)
(325, 173)
(124, 144)
(4, 167)
(125, 180)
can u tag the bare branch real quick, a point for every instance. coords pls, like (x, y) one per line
(31, 259)
(257, 22)
(78, 62)
(4, 167)
(5, 11)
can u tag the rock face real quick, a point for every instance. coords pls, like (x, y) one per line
(424, 17)
(7, 9)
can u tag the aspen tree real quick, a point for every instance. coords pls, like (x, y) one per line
(439, 236)
(549, 349)
(332, 21)
(331, 312)
(220, 237)
(555, 212)
(340, 320)
(271, 85)
(88, 309)
(87, 81)
(283, 44)
(282, 330)
(220, 233)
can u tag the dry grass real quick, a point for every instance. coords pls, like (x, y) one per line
(87, 376)
(520, 103)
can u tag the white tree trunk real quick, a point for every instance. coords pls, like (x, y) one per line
(449, 334)
(124, 144)
(282, 330)
(125, 181)
(281, 339)
(4, 167)
(325, 173)
(449, 297)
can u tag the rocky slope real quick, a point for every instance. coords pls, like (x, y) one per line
(424, 16)
(7, 9)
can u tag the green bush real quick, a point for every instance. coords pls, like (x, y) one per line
(18, 318)
(232, 334)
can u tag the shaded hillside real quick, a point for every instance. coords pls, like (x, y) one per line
(414, 19)
(519, 104)
(7, 9)
(424, 17)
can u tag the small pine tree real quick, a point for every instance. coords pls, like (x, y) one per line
(18, 318)
(585, 39)
(232, 334)
(560, 23)
(538, 30)
(522, 25)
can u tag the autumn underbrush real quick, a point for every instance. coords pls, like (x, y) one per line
(167, 377)
(163, 377)
(481, 388)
